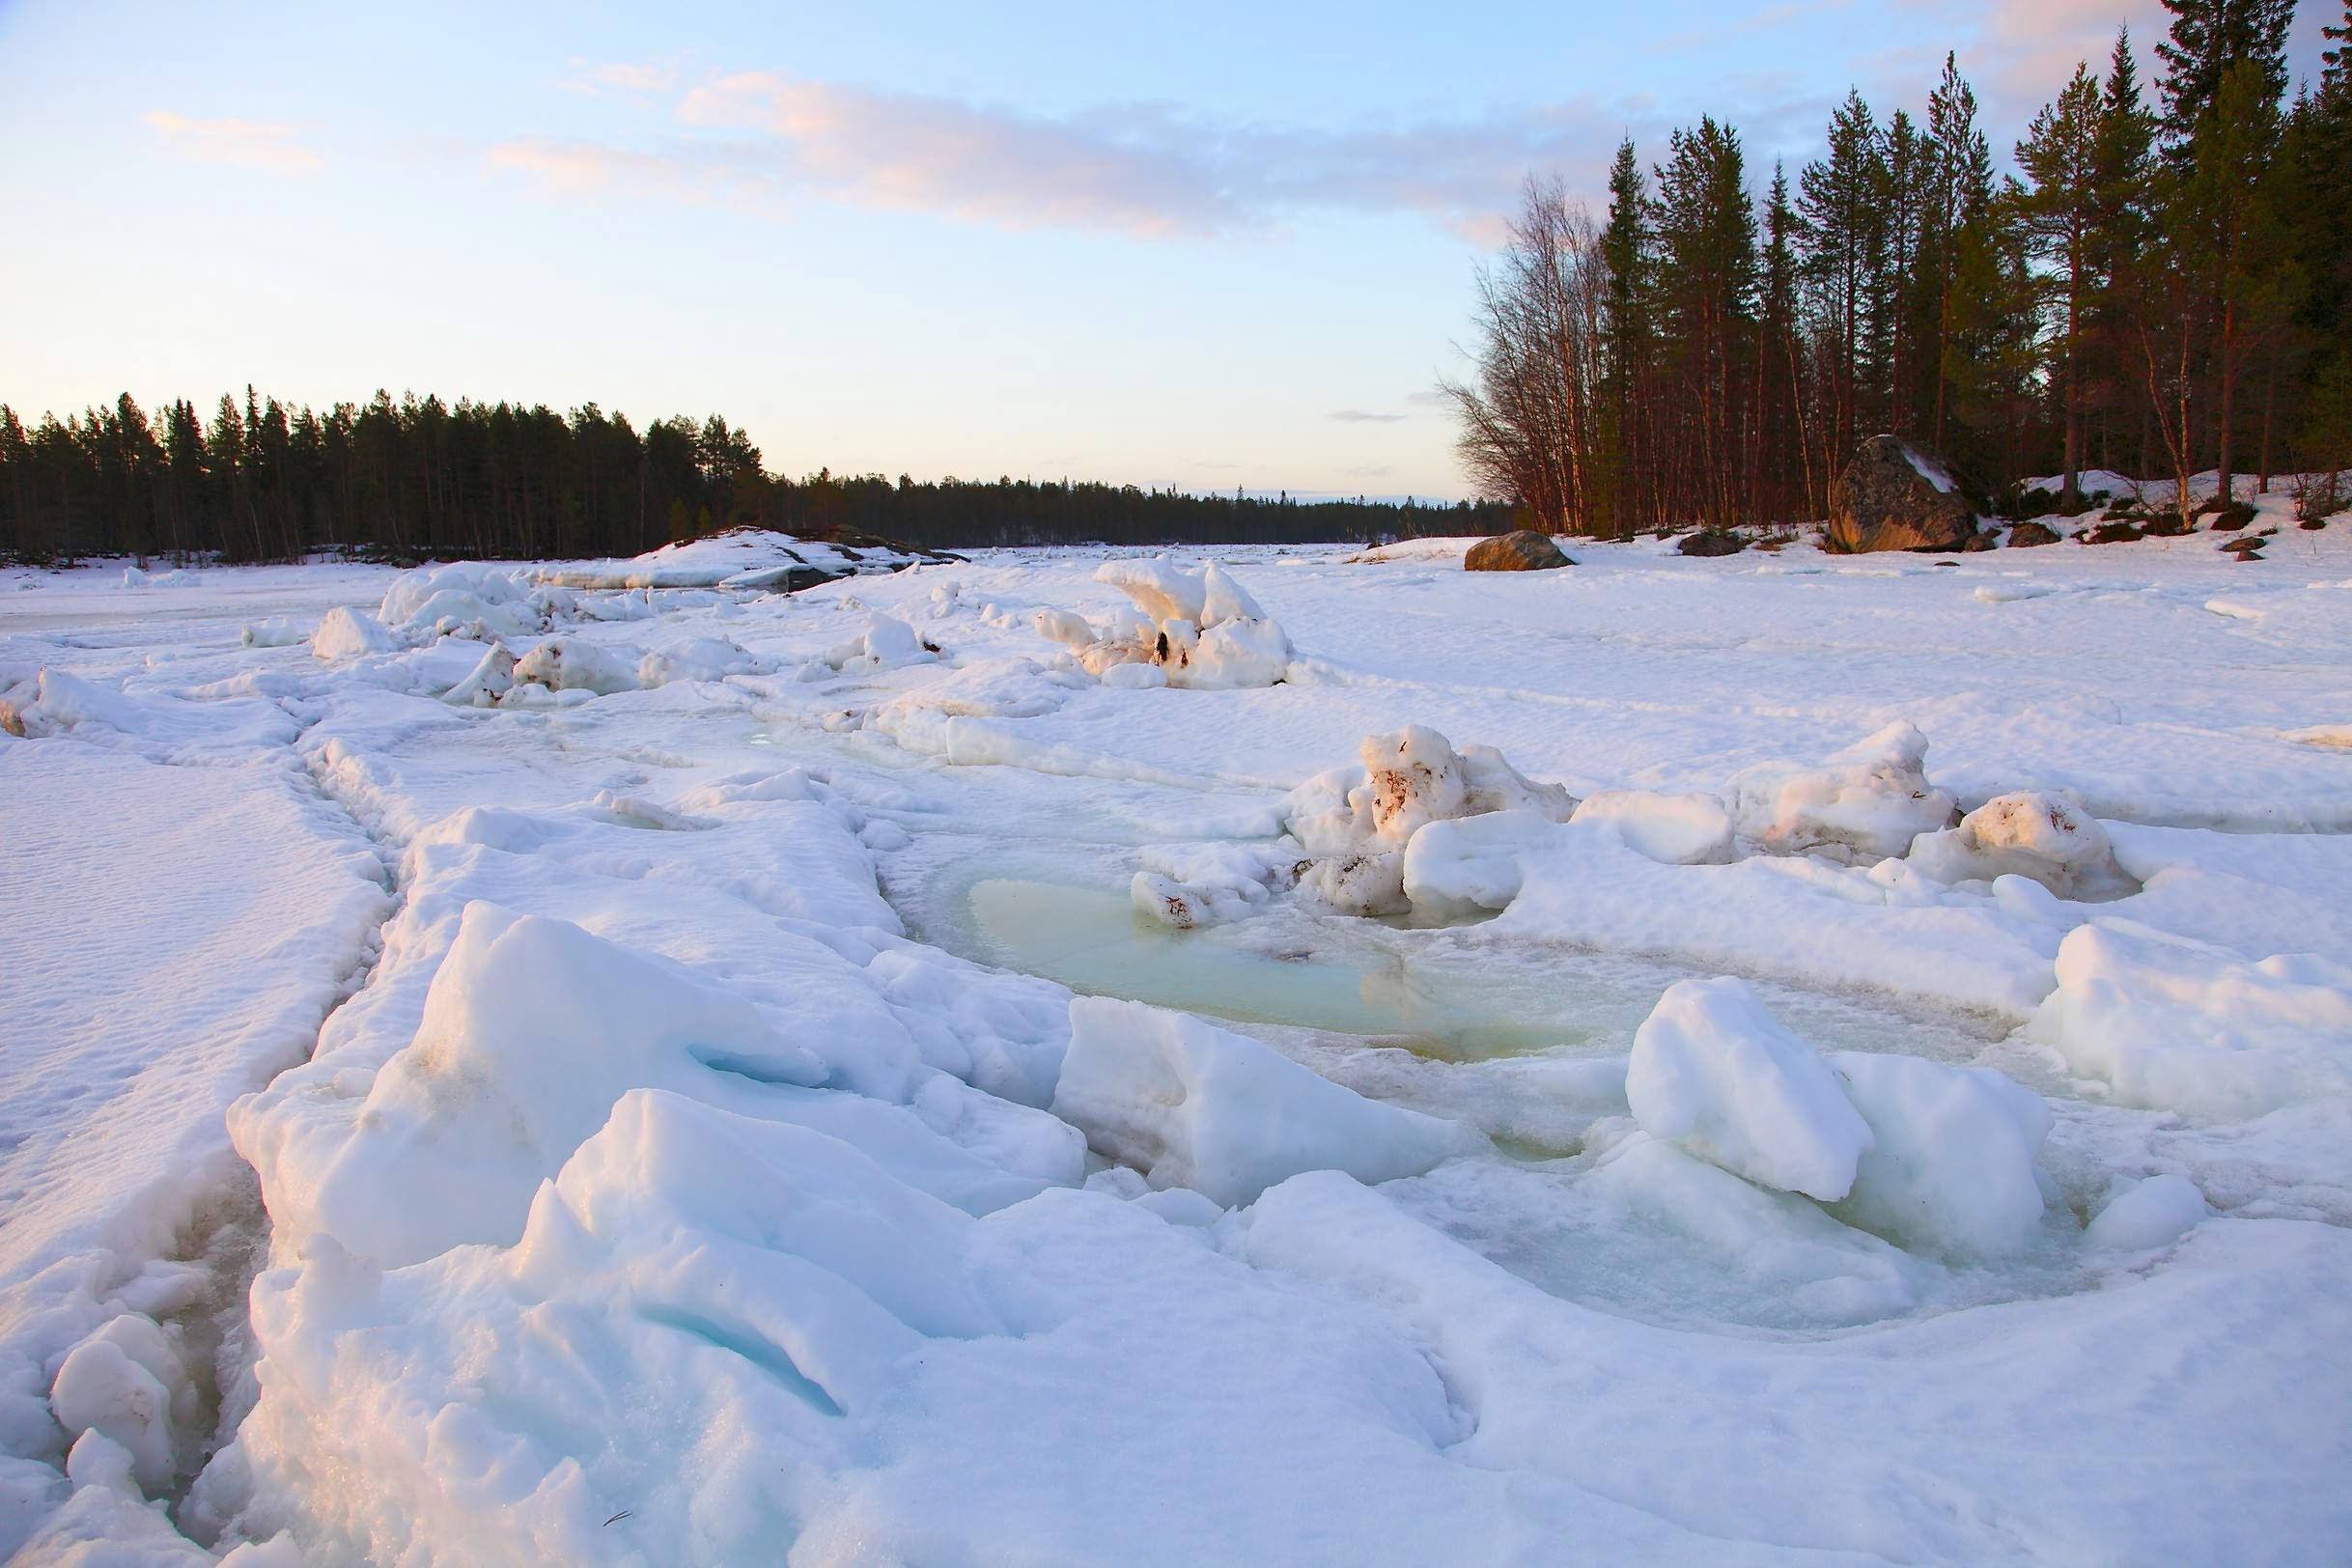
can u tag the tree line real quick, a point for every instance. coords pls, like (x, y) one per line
(2160, 288)
(421, 478)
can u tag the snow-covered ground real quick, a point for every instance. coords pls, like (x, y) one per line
(546, 1071)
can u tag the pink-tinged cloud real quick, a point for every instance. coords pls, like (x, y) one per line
(1362, 416)
(248, 143)
(1149, 170)
(622, 76)
(701, 172)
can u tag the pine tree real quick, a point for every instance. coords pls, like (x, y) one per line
(2123, 240)
(1707, 244)
(2056, 212)
(1627, 243)
(2207, 38)
(1960, 186)
(1839, 197)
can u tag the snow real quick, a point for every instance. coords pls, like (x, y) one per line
(735, 1106)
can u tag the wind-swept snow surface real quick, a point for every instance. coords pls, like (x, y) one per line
(1754, 1059)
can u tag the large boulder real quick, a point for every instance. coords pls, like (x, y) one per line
(1524, 551)
(1711, 541)
(1897, 496)
(2027, 535)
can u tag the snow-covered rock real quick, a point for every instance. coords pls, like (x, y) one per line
(2026, 833)
(1194, 1105)
(1866, 803)
(1358, 824)
(736, 558)
(2174, 1024)
(1714, 1072)
(1201, 630)
(1950, 1168)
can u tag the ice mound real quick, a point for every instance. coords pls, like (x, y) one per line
(532, 1028)
(886, 643)
(2172, 1024)
(1687, 829)
(2046, 838)
(1950, 1168)
(469, 599)
(1356, 826)
(1197, 1107)
(277, 632)
(1184, 885)
(698, 658)
(2155, 1210)
(1201, 630)
(126, 1382)
(1714, 1073)
(489, 682)
(1937, 1158)
(347, 633)
(569, 665)
(1865, 803)
(657, 1363)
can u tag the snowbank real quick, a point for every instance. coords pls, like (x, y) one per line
(1194, 1105)
(2174, 1024)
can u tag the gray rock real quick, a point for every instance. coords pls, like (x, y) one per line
(1711, 541)
(1886, 500)
(1524, 551)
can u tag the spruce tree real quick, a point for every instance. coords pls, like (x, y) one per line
(2056, 211)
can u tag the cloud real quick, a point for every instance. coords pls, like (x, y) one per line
(248, 143)
(1151, 170)
(725, 173)
(1380, 471)
(1358, 416)
(620, 77)
(1429, 398)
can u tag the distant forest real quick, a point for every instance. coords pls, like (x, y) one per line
(421, 478)
(2161, 288)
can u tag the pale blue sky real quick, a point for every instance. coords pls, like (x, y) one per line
(1204, 244)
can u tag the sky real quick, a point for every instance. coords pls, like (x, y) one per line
(1198, 246)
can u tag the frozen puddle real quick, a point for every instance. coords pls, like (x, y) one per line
(1281, 969)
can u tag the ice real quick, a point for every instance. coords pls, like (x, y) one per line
(1867, 802)
(2155, 1210)
(462, 1125)
(277, 632)
(575, 664)
(1950, 1168)
(2174, 1023)
(1197, 1107)
(1717, 1074)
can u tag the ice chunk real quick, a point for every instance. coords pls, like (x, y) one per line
(532, 1029)
(1238, 653)
(2155, 1210)
(491, 679)
(1198, 1106)
(2026, 833)
(569, 664)
(1162, 589)
(1490, 783)
(1692, 830)
(2174, 1024)
(1716, 1073)
(344, 633)
(1134, 676)
(277, 631)
(697, 659)
(1950, 1168)
(119, 1382)
(1865, 803)
(1416, 777)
